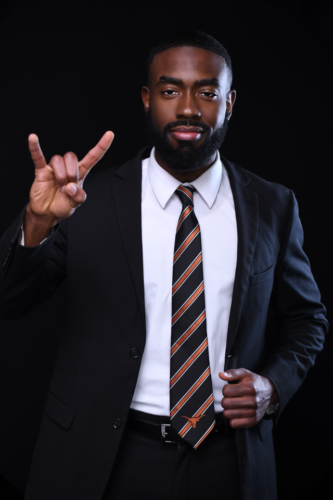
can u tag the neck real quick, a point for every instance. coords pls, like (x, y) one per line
(185, 176)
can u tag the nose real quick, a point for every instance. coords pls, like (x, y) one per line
(187, 107)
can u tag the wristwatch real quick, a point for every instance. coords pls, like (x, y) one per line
(272, 409)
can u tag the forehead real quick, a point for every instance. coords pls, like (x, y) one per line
(187, 63)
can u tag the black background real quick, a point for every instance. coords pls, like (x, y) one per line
(70, 71)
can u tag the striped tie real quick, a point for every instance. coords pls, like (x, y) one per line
(191, 396)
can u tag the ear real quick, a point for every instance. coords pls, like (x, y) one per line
(230, 100)
(145, 94)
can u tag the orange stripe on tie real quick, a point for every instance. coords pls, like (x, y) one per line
(188, 363)
(188, 333)
(188, 303)
(189, 394)
(187, 273)
(186, 242)
(186, 191)
(205, 435)
(199, 412)
(185, 214)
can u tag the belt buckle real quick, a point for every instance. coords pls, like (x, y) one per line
(164, 433)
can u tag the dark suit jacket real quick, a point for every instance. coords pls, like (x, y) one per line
(98, 251)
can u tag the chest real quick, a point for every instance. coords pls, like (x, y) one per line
(218, 233)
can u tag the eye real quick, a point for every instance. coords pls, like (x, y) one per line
(169, 92)
(209, 94)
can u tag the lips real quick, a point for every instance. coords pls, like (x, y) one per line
(186, 133)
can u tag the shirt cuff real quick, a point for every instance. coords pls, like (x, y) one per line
(22, 236)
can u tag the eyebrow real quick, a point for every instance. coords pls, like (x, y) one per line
(198, 83)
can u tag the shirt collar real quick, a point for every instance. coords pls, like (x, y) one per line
(164, 184)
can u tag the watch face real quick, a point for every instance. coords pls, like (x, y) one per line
(272, 408)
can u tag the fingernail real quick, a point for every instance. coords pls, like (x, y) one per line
(63, 189)
(72, 188)
(226, 374)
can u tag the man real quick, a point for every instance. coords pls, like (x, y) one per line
(167, 383)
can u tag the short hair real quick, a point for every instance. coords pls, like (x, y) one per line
(191, 38)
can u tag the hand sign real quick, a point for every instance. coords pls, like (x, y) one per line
(57, 189)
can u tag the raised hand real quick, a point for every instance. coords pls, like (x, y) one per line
(58, 187)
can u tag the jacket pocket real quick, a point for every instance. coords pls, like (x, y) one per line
(62, 414)
(257, 279)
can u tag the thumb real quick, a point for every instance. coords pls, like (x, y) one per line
(76, 194)
(233, 375)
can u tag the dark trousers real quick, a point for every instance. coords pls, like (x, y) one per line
(146, 468)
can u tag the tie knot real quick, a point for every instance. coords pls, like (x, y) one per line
(185, 194)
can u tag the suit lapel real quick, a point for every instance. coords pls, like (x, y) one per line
(247, 216)
(127, 199)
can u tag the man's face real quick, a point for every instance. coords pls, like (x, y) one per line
(186, 105)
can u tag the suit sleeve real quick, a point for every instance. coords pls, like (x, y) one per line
(29, 275)
(300, 315)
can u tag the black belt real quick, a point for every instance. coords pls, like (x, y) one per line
(160, 427)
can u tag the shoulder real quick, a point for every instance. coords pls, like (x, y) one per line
(272, 194)
(99, 179)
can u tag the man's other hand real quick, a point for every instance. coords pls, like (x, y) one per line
(247, 397)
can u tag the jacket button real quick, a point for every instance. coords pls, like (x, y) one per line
(135, 353)
(116, 423)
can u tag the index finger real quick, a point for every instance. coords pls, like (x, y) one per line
(238, 390)
(95, 154)
(36, 152)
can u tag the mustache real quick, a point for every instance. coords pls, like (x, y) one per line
(185, 123)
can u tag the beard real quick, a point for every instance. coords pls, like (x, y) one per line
(187, 157)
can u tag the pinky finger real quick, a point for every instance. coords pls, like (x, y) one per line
(242, 423)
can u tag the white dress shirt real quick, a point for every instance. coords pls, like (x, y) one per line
(215, 211)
